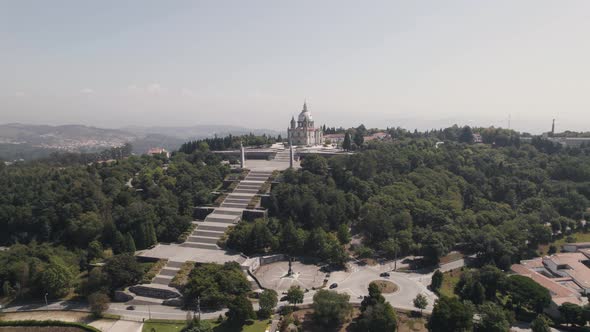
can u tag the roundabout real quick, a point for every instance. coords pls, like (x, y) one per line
(386, 286)
(280, 276)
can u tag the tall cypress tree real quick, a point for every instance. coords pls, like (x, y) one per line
(151, 233)
(119, 243)
(347, 144)
(141, 236)
(129, 243)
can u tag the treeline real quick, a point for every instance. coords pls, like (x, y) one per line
(110, 202)
(73, 158)
(229, 142)
(498, 137)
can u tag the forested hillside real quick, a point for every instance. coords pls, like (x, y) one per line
(497, 200)
(84, 212)
(408, 195)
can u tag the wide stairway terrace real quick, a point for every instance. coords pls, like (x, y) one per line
(209, 231)
(205, 235)
(282, 156)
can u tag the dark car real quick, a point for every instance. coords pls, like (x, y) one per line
(284, 298)
(334, 285)
(131, 307)
(384, 274)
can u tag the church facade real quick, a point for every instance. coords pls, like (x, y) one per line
(303, 132)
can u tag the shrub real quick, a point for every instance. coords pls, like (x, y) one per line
(46, 323)
(181, 277)
(153, 271)
(99, 303)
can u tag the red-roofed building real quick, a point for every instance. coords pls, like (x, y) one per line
(377, 136)
(158, 151)
(565, 275)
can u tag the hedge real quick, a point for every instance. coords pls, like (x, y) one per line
(43, 323)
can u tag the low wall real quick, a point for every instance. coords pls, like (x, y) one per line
(154, 292)
(201, 212)
(263, 154)
(272, 258)
(265, 201)
(251, 215)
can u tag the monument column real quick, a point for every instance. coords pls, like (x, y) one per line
(242, 156)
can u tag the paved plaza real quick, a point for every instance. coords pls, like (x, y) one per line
(274, 276)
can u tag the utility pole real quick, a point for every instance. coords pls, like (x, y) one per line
(395, 261)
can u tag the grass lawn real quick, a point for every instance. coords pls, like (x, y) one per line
(578, 237)
(258, 326)
(163, 325)
(386, 287)
(177, 325)
(450, 279)
(451, 257)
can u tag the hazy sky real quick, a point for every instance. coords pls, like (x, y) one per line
(416, 64)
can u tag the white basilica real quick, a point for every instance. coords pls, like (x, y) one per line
(304, 133)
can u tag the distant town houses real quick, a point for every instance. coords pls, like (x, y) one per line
(338, 139)
(334, 138)
(477, 138)
(158, 151)
(379, 136)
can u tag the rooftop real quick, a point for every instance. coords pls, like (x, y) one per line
(571, 264)
(559, 293)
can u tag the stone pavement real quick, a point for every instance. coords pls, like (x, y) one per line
(274, 276)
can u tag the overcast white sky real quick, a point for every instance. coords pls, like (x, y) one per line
(415, 64)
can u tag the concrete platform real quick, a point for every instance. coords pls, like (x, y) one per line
(196, 245)
(183, 253)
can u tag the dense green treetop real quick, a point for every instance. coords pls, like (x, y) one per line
(498, 200)
(78, 204)
(216, 285)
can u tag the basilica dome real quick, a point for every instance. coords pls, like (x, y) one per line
(305, 115)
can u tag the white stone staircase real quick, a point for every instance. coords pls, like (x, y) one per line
(209, 231)
(159, 288)
(205, 236)
(282, 155)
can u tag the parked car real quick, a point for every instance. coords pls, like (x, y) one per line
(334, 285)
(384, 275)
(131, 307)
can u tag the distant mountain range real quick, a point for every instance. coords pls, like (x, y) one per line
(197, 132)
(24, 141)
